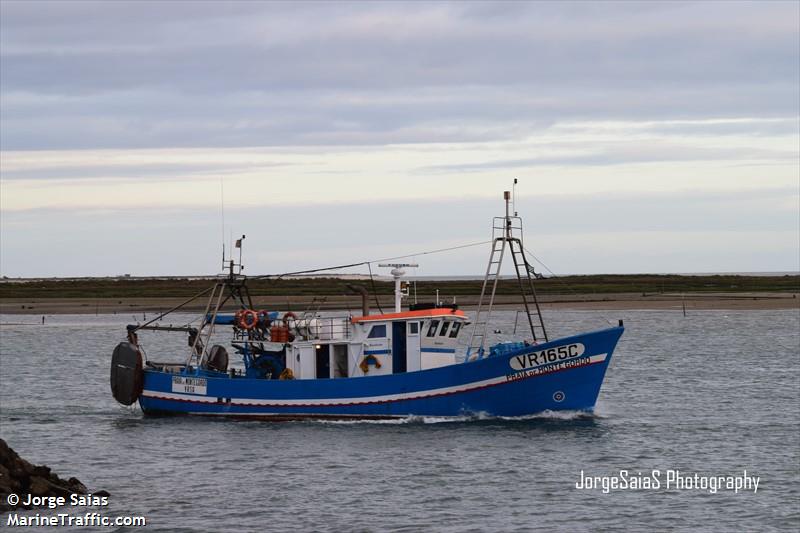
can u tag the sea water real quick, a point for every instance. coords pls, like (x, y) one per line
(713, 394)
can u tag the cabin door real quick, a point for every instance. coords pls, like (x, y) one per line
(340, 361)
(412, 347)
(323, 361)
(398, 347)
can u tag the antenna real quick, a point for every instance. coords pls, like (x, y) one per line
(514, 197)
(222, 216)
(397, 274)
(239, 243)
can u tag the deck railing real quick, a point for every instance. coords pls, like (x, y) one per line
(322, 328)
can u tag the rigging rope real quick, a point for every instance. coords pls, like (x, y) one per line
(162, 315)
(433, 251)
(340, 267)
(558, 278)
(374, 290)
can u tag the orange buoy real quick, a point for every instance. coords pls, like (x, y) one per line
(288, 315)
(247, 319)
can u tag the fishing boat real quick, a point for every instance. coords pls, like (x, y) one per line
(420, 360)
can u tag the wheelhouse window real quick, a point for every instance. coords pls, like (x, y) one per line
(432, 329)
(445, 325)
(413, 328)
(454, 331)
(377, 332)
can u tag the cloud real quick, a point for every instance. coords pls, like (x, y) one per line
(649, 131)
(578, 233)
(137, 171)
(102, 75)
(627, 153)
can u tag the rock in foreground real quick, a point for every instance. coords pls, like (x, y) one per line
(18, 476)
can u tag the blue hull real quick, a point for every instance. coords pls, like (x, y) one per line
(552, 376)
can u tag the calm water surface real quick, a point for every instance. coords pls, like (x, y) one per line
(714, 393)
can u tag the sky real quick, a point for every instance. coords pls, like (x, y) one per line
(138, 137)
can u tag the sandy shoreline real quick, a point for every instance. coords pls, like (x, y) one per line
(698, 301)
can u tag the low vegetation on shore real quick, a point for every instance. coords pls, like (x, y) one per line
(593, 284)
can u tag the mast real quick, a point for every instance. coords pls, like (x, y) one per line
(507, 231)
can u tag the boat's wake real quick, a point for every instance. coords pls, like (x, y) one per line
(557, 415)
(473, 417)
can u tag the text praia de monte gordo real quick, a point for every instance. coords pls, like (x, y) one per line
(668, 480)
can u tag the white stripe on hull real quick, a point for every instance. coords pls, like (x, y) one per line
(308, 402)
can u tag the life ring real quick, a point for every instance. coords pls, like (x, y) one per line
(369, 360)
(263, 319)
(246, 319)
(286, 316)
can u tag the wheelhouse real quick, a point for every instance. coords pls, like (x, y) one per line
(376, 345)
